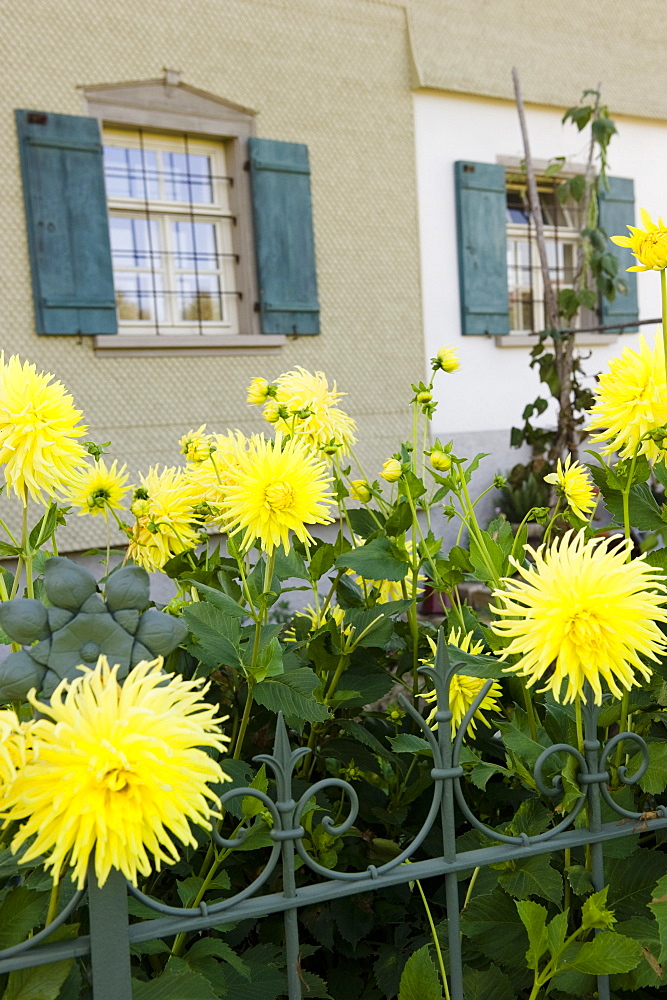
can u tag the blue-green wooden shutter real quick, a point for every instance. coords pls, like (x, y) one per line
(617, 210)
(68, 228)
(481, 217)
(284, 241)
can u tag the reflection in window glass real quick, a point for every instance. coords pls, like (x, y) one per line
(195, 245)
(139, 297)
(131, 173)
(134, 242)
(199, 297)
(187, 177)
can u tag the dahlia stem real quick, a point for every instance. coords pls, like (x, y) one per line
(663, 290)
(261, 619)
(530, 712)
(26, 549)
(244, 722)
(340, 666)
(626, 498)
(108, 527)
(53, 903)
(436, 943)
(474, 529)
(471, 886)
(415, 423)
(579, 724)
(622, 728)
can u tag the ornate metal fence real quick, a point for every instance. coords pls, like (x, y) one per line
(111, 935)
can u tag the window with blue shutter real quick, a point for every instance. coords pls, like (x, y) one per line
(284, 241)
(617, 210)
(68, 230)
(481, 212)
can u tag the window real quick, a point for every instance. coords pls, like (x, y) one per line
(160, 219)
(561, 225)
(499, 276)
(171, 233)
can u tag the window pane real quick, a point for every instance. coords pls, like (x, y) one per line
(130, 173)
(199, 297)
(569, 262)
(187, 177)
(139, 297)
(516, 208)
(195, 246)
(134, 242)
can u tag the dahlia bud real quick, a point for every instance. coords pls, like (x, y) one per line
(440, 461)
(424, 397)
(271, 412)
(391, 470)
(258, 390)
(360, 491)
(446, 360)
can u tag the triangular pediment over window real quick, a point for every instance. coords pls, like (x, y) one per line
(165, 96)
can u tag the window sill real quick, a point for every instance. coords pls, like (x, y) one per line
(580, 340)
(130, 346)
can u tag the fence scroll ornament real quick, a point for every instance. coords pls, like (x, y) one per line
(111, 935)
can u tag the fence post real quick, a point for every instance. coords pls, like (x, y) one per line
(109, 938)
(285, 760)
(442, 676)
(594, 776)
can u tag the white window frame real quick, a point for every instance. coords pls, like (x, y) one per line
(163, 212)
(164, 106)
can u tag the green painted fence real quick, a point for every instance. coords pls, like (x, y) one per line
(107, 947)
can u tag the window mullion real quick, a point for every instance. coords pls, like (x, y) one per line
(169, 269)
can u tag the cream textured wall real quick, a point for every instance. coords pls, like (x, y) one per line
(334, 75)
(470, 46)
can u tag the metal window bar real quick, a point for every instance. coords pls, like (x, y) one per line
(111, 935)
(146, 206)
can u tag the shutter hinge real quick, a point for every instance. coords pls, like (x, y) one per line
(37, 118)
(246, 165)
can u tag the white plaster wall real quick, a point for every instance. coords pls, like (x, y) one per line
(494, 384)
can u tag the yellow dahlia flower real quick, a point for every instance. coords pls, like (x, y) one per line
(210, 479)
(118, 770)
(631, 399)
(98, 488)
(39, 427)
(276, 487)
(463, 690)
(196, 446)
(258, 390)
(446, 360)
(311, 410)
(167, 524)
(15, 742)
(317, 619)
(360, 491)
(648, 245)
(573, 485)
(582, 613)
(392, 470)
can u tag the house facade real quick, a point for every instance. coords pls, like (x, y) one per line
(260, 189)
(197, 194)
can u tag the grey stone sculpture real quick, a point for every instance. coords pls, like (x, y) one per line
(78, 625)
